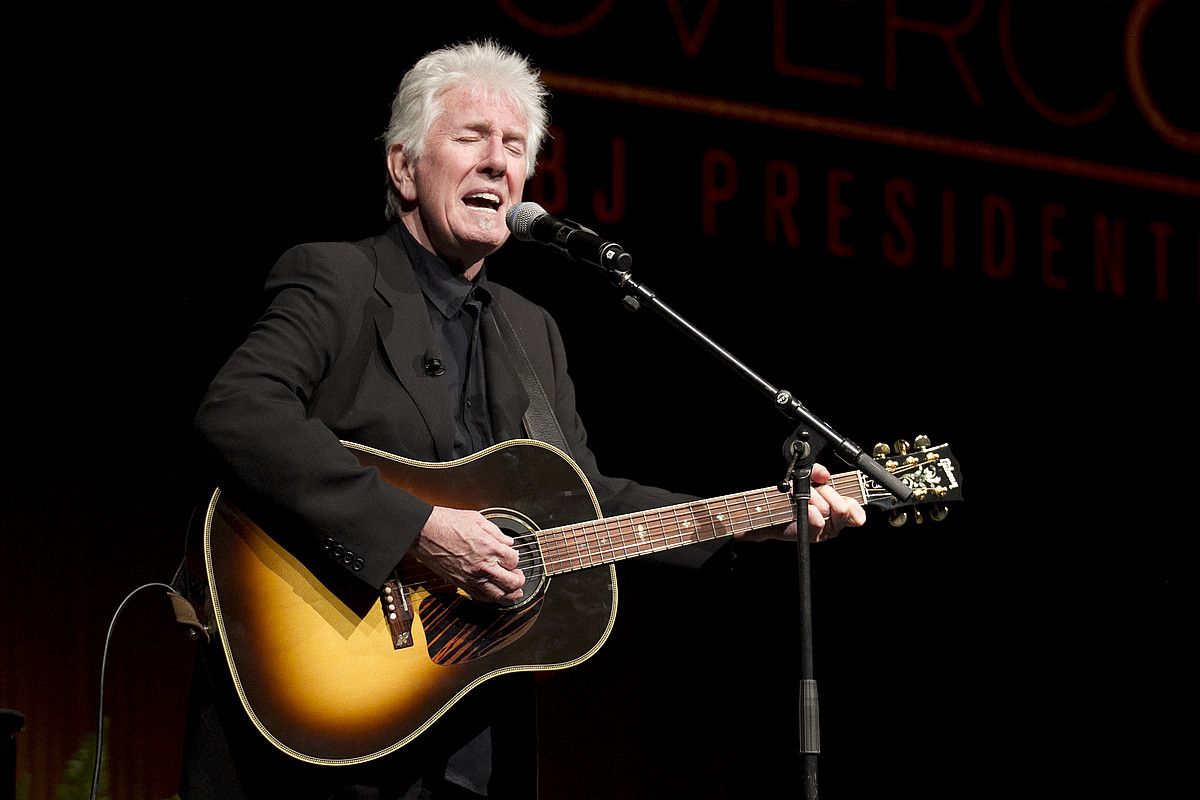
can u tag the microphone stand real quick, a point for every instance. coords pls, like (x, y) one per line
(800, 451)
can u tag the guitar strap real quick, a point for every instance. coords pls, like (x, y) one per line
(540, 422)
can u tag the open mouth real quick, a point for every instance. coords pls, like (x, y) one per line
(485, 201)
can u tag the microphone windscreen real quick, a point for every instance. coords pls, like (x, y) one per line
(520, 219)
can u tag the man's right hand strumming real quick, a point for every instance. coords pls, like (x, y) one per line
(468, 550)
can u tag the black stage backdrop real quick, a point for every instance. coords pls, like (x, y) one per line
(971, 220)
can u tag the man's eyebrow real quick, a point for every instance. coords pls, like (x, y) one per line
(483, 126)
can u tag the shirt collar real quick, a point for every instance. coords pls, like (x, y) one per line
(446, 289)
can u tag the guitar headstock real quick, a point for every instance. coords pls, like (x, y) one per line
(929, 469)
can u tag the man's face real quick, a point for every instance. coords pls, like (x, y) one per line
(471, 173)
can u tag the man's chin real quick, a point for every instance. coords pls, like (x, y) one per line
(475, 249)
(488, 240)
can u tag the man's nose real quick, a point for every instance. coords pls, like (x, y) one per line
(492, 161)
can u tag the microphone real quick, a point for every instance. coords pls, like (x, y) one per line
(433, 365)
(529, 222)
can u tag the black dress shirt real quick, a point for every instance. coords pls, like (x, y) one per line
(455, 308)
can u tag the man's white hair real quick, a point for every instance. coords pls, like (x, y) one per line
(484, 65)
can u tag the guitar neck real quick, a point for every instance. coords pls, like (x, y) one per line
(610, 539)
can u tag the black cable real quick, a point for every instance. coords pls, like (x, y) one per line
(103, 666)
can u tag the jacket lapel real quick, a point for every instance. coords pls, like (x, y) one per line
(406, 336)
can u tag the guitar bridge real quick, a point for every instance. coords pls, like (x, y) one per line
(398, 613)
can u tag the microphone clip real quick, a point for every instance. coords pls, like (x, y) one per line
(563, 234)
(433, 366)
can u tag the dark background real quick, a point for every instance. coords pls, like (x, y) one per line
(1034, 642)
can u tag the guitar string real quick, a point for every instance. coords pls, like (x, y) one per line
(555, 554)
(578, 534)
(662, 530)
(575, 553)
(556, 557)
(554, 563)
(576, 548)
(541, 541)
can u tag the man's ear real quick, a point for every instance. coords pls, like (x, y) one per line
(400, 168)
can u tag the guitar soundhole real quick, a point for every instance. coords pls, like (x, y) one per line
(529, 555)
(459, 630)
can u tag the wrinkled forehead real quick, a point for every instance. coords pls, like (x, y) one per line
(476, 104)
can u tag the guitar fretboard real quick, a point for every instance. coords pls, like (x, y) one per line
(603, 541)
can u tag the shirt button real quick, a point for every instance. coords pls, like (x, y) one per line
(468, 404)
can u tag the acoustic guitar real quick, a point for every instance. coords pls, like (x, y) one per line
(334, 681)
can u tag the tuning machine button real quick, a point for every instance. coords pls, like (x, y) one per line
(938, 513)
(922, 442)
(881, 450)
(901, 446)
(898, 519)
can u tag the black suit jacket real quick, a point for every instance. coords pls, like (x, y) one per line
(339, 354)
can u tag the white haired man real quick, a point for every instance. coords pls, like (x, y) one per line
(392, 342)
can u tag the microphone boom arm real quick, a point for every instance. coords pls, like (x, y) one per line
(638, 294)
(530, 222)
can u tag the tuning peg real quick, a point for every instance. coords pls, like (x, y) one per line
(922, 442)
(898, 519)
(938, 513)
(901, 447)
(881, 450)
(918, 517)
